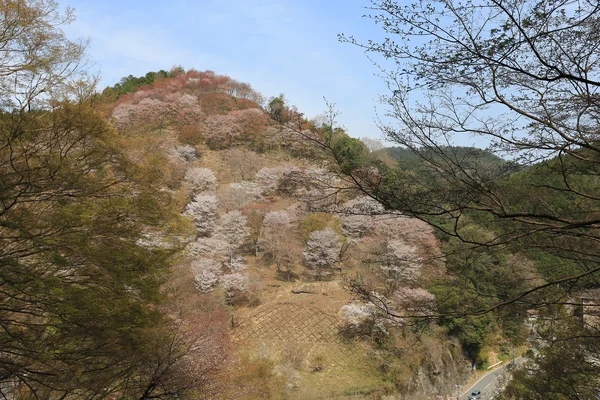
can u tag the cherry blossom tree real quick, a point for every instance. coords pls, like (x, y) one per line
(156, 108)
(210, 247)
(184, 152)
(235, 286)
(372, 144)
(268, 178)
(203, 210)
(359, 215)
(322, 252)
(399, 262)
(200, 180)
(206, 273)
(220, 131)
(364, 319)
(355, 314)
(232, 228)
(416, 301)
(317, 187)
(251, 125)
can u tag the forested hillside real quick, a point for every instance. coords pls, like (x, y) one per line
(278, 237)
(180, 235)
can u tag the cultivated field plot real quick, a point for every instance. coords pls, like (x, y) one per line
(313, 358)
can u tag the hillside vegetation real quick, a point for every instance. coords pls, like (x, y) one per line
(277, 241)
(179, 235)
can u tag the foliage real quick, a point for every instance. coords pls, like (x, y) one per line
(80, 286)
(130, 83)
(350, 152)
(522, 78)
(39, 65)
(318, 222)
(561, 369)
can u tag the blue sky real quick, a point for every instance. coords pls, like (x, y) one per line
(278, 46)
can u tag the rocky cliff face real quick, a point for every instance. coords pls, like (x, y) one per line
(438, 373)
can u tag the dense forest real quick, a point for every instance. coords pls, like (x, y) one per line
(180, 235)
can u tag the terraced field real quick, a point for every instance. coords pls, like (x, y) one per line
(311, 356)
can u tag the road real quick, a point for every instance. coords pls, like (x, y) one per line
(490, 382)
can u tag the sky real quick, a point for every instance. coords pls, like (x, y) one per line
(277, 46)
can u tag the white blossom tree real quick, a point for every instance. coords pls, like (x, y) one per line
(203, 210)
(184, 152)
(210, 247)
(322, 252)
(269, 179)
(355, 314)
(206, 274)
(232, 229)
(235, 286)
(399, 262)
(372, 144)
(359, 215)
(200, 180)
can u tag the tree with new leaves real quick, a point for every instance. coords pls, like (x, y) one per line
(521, 76)
(80, 298)
(38, 63)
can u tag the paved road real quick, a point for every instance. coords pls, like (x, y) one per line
(490, 382)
